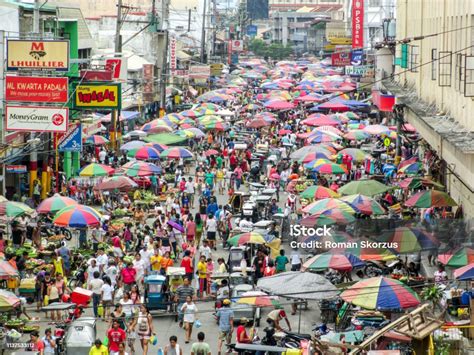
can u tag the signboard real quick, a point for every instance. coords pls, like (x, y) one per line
(252, 30)
(357, 23)
(362, 70)
(199, 71)
(357, 56)
(118, 66)
(148, 75)
(96, 75)
(340, 59)
(38, 55)
(386, 142)
(18, 169)
(216, 69)
(36, 89)
(237, 45)
(173, 59)
(36, 118)
(102, 96)
(72, 140)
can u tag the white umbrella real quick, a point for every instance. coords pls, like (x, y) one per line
(132, 145)
(136, 133)
(225, 112)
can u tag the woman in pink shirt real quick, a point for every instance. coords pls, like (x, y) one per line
(190, 230)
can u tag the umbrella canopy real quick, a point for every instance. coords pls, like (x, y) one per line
(465, 273)
(251, 107)
(381, 293)
(122, 183)
(176, 153)
(341, 262)
(94, 169)
(246, 238)
(132, 145)
(7, 271)
(320, 120)
(366, 252)
(136, 133)
(299, 285)
(330, 168)
(77, 216)
(215, 125)
(176, 226)
(315, 163)
(165, 138)
(377, 129)
(416, 182)
(14, 209)
(322, 137)
(144, 153)
(333, 106)
(410, 169)
(364, 204)
(328, 217)
(458, 257)
(356, 154)
(409, 240)
(356, 135)
(364, 187)
(258, 299)
(210, 152)
(327, 204)
(159, 147)
(54, 204)
(279, 105)
(318, 192)
(430, 198)
(8, 300)
(302, 152)
(140, 168)
(96, 140)
(258, 123)
(315, 156)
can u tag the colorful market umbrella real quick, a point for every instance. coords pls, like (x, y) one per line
(330, 168)
(94, 169)
(176, 153)
(326, 204)
(318, 192)
(258, 123)
(377, 129)
(159, 147)
(367, 249)
(322, 154)
(364, 187)
(322, 137)
(416, 182)
(8, 300)
(332, 260)
(216, 126)
(244, 238)
(381, 293)
(140, 169)
(258, 299)
(54, 204)
(464, 273)
(279, 105)
(210, 152)
(356, 135)
(328, 217)
(364, 204)
(410, 169)
(458, 257)
(14, 209)
(96, 140)
(132, 145)
(251, 107)
(356, 154)
(315, 163)
(321, 120)
(7, 271)
(409, 240)
(77, 216)
(144, 153)
(121, 183)
(333, 106)
(430, 198)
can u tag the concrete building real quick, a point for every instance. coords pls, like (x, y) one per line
(438, 95)
(316, 5)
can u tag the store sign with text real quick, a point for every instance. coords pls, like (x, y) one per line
(36, 89)
(118, 66)
(101, 96)
(340, 59)
(357, 23)
(361, 70)
(36, 118)
(37, 55)
(173, 59)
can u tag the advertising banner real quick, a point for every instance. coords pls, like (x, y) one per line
(199, 71)
(216, 69)
(36, 118)
(237, 45)
(340, 59)
(101, 96)
(357, 56)
(36, 89)
(357, 24)
(38, 55)
(252, 30)
(361, 70)
(72, 140)
(173, 58)
(118, 66)
(17, 169)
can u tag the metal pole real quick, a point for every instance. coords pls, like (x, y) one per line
(203, 32)
(34, 153)
(2, 78)
(118, 39)
(299, 316)
(164, 74)
(189, 20)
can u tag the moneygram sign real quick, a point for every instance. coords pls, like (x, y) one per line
(36, 89)
(37, 55)
(98, 96)
(36, 119)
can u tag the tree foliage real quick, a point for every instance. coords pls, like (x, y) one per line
(274, 51)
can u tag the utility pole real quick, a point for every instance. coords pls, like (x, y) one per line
(203, 32)
(118, 38)
(114, 127)
(189, 20)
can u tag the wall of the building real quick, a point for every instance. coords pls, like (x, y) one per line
(416, 18)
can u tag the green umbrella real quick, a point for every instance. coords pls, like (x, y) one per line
(364, 187)
(165, 138)
(14, 209)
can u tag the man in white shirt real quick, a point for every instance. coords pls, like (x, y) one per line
(245, 225)
(205, 250)
(296, 261)
(91, 269)
(102, 260)
(139, 267)
(102, 156)
(111, 271)
(145, 255)
(95, 286)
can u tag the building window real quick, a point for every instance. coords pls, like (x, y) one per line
(445, 68)
(469, 76)
(459, 72)
(414, 53)
(434, 63)
(375, 3)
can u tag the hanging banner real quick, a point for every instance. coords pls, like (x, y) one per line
(340, 59)
(36, 118)
(199, 71)
(101, 96)
(361, 70)
(252, 30)
(38, 55)
(17, 169)
(357, 55)
(237, 45)
(173, 59)
(72, 140)
(358, 24)
(36, 89)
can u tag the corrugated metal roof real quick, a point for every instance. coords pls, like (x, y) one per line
(76, 13)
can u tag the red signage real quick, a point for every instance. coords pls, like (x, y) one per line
(173, 58)
(97, 75)
(357, 23)
(114, 65)
(36, 89)
(340, 59)
(384, 102)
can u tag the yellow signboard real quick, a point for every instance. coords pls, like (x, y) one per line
(38, 55)
(98, 96)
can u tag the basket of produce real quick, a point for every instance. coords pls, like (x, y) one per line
(56, 238)
(30, 328)
(27, 285)
(14, 324)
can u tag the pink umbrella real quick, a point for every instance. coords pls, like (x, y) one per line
(321, 121)
(279, 105)
(258, 123)
(275, 176)
(334, 106)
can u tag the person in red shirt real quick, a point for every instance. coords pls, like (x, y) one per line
(36, 344)
(116, 335)
(242, 336)
(233, 161)
(187, 263)
(128, 276)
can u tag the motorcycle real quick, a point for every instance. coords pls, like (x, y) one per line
(78, 277)
(376, 268)
(50, 230)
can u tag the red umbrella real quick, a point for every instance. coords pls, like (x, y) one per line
(258, 123)
(211, 152)
(320, 121)
(334, 106)
(279, 105)
(282, 132)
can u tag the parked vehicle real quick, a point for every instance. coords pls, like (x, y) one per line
(244, 310)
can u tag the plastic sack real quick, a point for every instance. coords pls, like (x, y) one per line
(153, 340)
(160, 351)
(100, 310)
(106, 341)
(197, 323)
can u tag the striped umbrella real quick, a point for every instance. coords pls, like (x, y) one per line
(96, 140)
(176, 153)
(246, 238)
(258, 299)
(357, 155)
(77, 216)
(322, 154)
(458, 257)
(330, 168)
(409, 240)
(94, 169)
(258, 123)
(410, 169)
(54, 204)
(377, 129)
(322, 137)
(430, 198)
(381, 293)
(332, 260)
(158, 146)
(215, 126)
(326, 204)
(132, 145)
(140, 168)
(318, 192)
(356, 135)
(328, 217)
(14, 209)
(364, 204)
(121, 183)
(7, 271)
(8, 301)
(144, 153)
(465, 273)
(364, 187)
(315, 163)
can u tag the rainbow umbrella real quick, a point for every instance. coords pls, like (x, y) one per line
(356, 135)
(144, 153)
(430, 198)
(187, 120)
(7, 271)
(94, 169)
(364, 204)
(356, 154)
(77, 216)
(258, 299)
(140, 168)
(331, 260)
(410, 169)
(251, 107)
(185, 133)
(176, 153)
(322, 137)
(152, 125)
(14, 209)
(315, 163)
(159, 129)
(417, 182)
(216, 126)
(326, 204)
(209, 119)
(329, 129)
(364, 250)
(377, 129)
(328, 217)
(308, 157)
(355, 125)
(458, 257)
(121, 183)
(54, 204)
(96, 140)
(330, 168)
(381, 293)
(318, 192)
(193, 113)
(8, 301)
(409, 239)
(132, 145)
(197, 132)
(244, 238)
(464, 273)
(158, 146)
(258, 123)
(364, 187)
